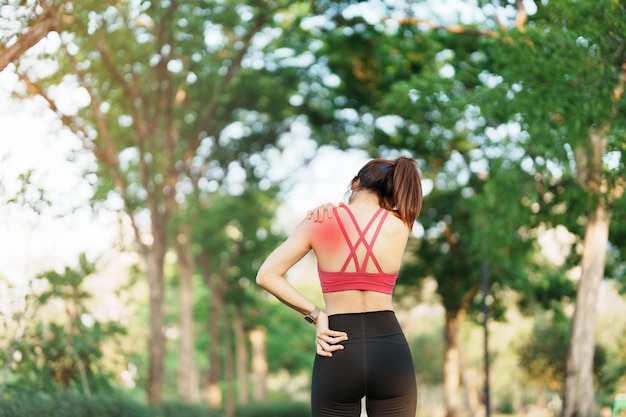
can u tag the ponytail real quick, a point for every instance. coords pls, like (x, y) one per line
(407, 190)
(397, 184)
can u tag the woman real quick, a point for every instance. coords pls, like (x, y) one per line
(361, 350)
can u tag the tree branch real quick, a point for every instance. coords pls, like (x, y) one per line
(618, 91)
(499, 22)
(133, 94)
(232, 70)
(142, 132)
(106, 152)
(46, 22)
(522, 16)
(96, 148)
(453, 28)
(170, 125)
(520, 21)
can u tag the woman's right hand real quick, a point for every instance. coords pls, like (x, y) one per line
(327, 341)
(319, 213)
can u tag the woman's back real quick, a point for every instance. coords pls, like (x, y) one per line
(343, 241)
(359, 253)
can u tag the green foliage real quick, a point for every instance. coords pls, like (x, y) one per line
(402, 97)
(29, 195)
(495, 133)
(545, 288)
(187, 105)
(389, 96)
(541, 356)
(542, 359)
(234, 232)
(468, 228)
(494, 122)
(176, 409)
(232, 235)
(182, 93)
(114, 404)
(291, 340)
(428, 358)
(275, 409)
(69, 405)
(611, 374)
(558, 78)
(62, 349)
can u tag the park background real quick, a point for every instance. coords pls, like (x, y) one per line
(153, 153)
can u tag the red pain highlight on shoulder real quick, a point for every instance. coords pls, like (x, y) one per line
(327, 233)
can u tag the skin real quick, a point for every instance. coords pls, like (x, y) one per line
(318, 232)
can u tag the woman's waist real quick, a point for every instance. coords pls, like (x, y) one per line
(357, 301)
(366, 324)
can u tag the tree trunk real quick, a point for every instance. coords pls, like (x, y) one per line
(472, 392)
(241, 357)
(187, 378)
(229, 370)
(156, 340)
(451, 365)
(578, 398)
(259, 364)
(213, 393)
(578, 387)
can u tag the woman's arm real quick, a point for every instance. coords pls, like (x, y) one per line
(271, 276)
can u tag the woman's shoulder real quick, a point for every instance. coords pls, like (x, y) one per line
(394, 223)
(323, 235)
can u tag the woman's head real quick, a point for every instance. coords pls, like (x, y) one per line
(397, 184)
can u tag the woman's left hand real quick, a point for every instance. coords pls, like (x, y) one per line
(327, 341)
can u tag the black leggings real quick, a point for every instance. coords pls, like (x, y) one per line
(375, 363)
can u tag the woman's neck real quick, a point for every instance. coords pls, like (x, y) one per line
(364, 197)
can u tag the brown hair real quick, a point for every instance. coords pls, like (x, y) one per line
(397, 184)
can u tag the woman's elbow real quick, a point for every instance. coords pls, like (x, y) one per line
(262, 279)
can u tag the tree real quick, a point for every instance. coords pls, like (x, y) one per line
(570, 99)
(543, 364)
(169, 92)
(37, 19)
(229, 241)
(548, 76)
(459, 223)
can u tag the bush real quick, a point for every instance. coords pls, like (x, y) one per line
(31, 404)
(71, 405)
(116, 404)
(171, 409)
(275, 409)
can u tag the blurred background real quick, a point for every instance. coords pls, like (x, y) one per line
(152, 153)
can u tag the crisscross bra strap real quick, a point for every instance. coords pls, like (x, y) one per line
(361, 239)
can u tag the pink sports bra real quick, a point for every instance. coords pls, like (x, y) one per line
(360, 279)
